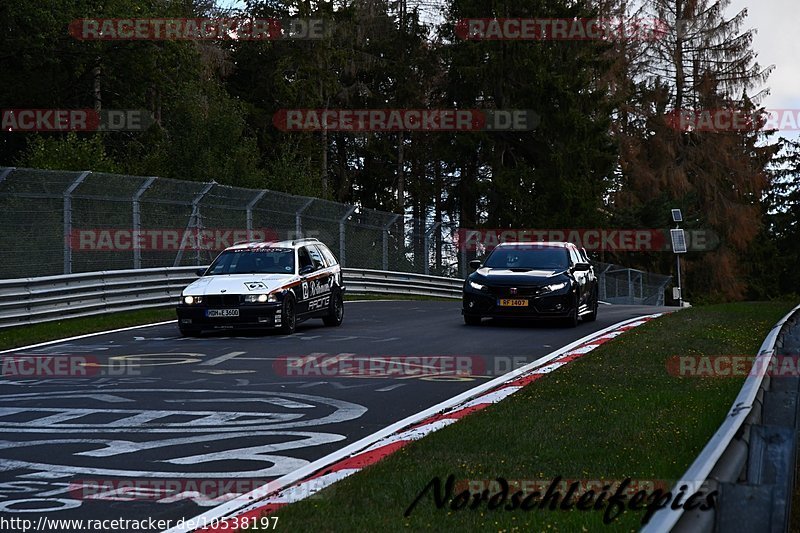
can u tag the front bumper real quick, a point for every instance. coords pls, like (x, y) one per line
(262, 316)
(552, 305)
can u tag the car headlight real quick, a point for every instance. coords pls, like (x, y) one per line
(260, 298)
(477, 286)
(192, 300)
(555, 287)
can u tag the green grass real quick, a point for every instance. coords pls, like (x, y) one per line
(17, 336)
(613, 414)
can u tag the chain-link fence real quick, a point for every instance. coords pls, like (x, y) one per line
(56, 222)
(621, 285)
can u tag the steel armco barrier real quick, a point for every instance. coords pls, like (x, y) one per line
(751, 459)
(51, 298)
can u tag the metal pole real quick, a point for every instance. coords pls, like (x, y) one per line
(250, 207)
(4, 174)
(298, 221)
(427, 246)
(341, 236)
(194, 220)
(680, 289)
(386, 241)
(137, 221)
(68, 221)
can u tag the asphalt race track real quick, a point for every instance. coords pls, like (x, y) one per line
(162, 411)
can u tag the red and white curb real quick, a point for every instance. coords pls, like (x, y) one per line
(273, 496)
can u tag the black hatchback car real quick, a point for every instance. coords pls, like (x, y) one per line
(531, 280)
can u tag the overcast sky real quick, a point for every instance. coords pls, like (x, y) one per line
(777, 44)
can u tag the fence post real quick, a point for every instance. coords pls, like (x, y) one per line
(298, 221)
(137, 221)
(427, 247)
(68, 221)
(386, 241)
(194, 220)
(250, 207)
(341, 235)
(4, 174)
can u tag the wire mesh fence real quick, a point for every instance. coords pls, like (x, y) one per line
(57, 222)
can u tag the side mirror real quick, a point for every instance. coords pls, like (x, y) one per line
(200, 272)
(308, 269)
(475, 264)
(582, 267)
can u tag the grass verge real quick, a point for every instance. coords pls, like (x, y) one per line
(613, 414)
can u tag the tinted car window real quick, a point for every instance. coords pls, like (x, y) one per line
(316, 257)
(576, 257)
(544, 258)
(328, 255)
(304, 258)
(266, 261)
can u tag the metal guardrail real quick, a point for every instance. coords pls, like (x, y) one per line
(51, 298)
(750, 460)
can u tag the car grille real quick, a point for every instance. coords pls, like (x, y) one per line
(521, 291)
(222, 300)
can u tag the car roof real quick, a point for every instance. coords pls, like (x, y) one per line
(294, 244)
(535, 244)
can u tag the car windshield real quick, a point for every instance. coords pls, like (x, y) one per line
(529, 258)
(266, 261)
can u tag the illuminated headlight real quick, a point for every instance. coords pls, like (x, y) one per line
(555, 287)
(192, 300)
(477, 286)
(260, 298)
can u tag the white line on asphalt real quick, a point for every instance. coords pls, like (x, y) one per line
(221, 359)
(259, 494)
(48, 343)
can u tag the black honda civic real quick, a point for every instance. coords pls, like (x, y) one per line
(531, 280)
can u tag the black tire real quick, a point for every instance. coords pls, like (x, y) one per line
(591, 317)
(190, 332)
(472, 320)
(288, 316)
(572, 320)
(336, 313)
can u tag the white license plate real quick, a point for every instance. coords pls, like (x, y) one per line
(222, 313)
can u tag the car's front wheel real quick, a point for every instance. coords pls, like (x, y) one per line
(472, 320)
(289, 316)
(591, 317)
(572, 320)
(336, 313)
(186, 332)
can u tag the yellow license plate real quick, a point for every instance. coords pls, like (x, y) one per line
(513, 303)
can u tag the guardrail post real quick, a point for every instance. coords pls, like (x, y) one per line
(427, 246)
(386, 241)
(341, 235)
(68, 221)
(194, 220)
(4, 174)
(298, 220)
(250, 207)
(137, 221)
